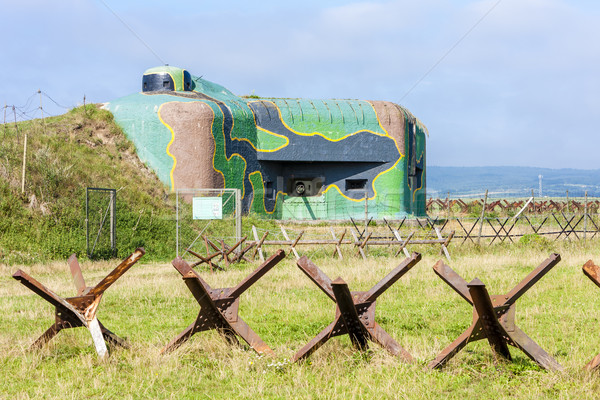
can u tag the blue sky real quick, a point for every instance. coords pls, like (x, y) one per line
(523, 88)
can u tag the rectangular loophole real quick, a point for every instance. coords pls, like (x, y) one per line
(356, 184)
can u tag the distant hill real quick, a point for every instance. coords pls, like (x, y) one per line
(511, 181)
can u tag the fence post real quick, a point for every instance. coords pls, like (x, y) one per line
(533, 197)
(113, 228)
(177, 222)
(24, 164)
(238, 214)
(16, 126)
(585, 216)
(568, 201)
(366, 211)
(482, 215)
(42, 111)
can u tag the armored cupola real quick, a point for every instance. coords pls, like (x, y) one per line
(167, 78)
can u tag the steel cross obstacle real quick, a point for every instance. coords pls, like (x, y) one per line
(219, 307)
(592, 271)
(80, 310)
(355, 311)
(494, 317)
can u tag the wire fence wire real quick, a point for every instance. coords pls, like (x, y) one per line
(517, 220)
(31, 109)
(340, 208)
(100, 221)
(205, 218)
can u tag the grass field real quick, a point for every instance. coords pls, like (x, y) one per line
(150, 305)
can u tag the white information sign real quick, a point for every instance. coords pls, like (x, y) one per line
(207, 208)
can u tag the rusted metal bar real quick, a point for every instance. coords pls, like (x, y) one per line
(343, 298)
(260, 244)
(453, 280)
(362, 245)
(210, 263)
(457, 345)
(316, 275)
(225, 253)
(355, 311)
(229, 249)
(533, 277)
(242, 253)
(364, 242)
(80, 310)
(58, 302)
(404, 242)
(391, 278)
(235, 246)
(293, 246)
(219, 307)
(494, 317)
(117, 272)
(338, 250)
(356, 242)
(494, 332)
(76, 274)
(292, 249)
(444, 242)
(255, 275)
(592, 271)
(203, 259)
(215, 247)
(447, 241)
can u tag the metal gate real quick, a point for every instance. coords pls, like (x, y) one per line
(100, 222)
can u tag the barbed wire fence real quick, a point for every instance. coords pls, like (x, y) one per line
(510, 220)
(30, 110)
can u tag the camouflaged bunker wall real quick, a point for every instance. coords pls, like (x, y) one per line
(292, 158)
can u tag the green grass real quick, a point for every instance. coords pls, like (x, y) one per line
(150, 305)
(65, 154)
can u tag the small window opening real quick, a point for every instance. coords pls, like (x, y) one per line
(356, 184)
(166, 84)
(270, 193)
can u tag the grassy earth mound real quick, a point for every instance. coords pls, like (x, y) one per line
(65, 154)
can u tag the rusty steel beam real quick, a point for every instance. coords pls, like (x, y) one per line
(494, 317)
(219, 307)
(494, 332)
(592, 271)
(355, 311)
(343, 298)
(80, 311)
(316, 275)
(392, 277)
(117, 272)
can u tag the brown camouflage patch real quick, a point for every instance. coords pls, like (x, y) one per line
(391, 118)
(193, 146)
